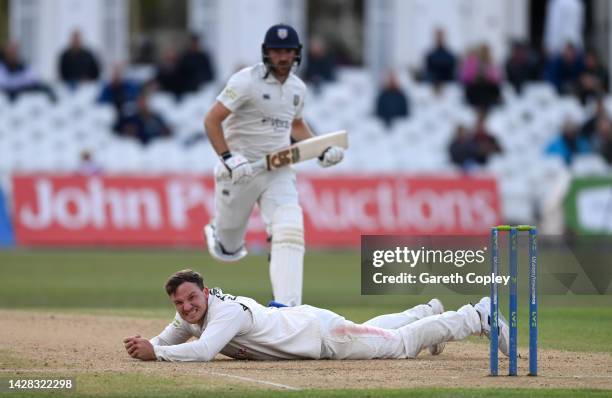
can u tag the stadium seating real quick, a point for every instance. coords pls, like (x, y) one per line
(38, 135)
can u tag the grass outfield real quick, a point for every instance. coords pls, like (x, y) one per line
(131, 283)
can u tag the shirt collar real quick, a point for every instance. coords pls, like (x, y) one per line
(270, 79)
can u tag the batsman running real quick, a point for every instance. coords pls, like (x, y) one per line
(259, 112)
(241, 328)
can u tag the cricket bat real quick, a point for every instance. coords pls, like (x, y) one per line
(296, 153)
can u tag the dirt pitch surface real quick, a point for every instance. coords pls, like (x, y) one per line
(73, 344)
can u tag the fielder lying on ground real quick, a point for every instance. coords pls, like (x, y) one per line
(241, 328)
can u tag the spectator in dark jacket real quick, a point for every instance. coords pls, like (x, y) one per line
(144, 125)
(522, 65)
(392, 102)
(461, 148)
(167, 76)
(485, 144)
(481, 78)
(194, 66)
(17, 77)
(589, 128)
(440, 62)
(593, 81)
(564, 70)
(119, 91)
(320, 66)
(77, 63)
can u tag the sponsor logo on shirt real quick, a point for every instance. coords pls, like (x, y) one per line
(277, 124)
(296, 100)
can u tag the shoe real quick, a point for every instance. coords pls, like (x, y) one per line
(483, 307)
(216, 250)
(438, 308)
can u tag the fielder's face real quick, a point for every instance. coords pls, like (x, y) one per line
(191, 302)
(282, 59)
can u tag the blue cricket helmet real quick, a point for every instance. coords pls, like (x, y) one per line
(281, 36)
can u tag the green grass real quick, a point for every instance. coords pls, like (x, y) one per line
(130, 283)
(183, 387)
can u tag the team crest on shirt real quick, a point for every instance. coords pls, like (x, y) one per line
(230, 93)
(282, 33)
(296, 100)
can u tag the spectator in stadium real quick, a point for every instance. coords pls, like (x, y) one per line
(484, 143)
(522, 65)
(119, 91)
(194, 66)
(167, 76)
(564, 70)
(481, 78)
(321, 66)
(144, 124)
(88, 166)
(440, 62)
(593, 81)
(392, 102)
(17, 77)
(590, 126)
(77, 63)
(461, 148)
(568, 143)
(146, 51)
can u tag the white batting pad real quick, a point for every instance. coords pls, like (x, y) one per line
(287, 255)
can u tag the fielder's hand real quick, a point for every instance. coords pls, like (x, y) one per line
(239, 168)
(331, 156)
(139, 348)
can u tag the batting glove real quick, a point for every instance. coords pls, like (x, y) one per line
(331, 156)
(238, 166)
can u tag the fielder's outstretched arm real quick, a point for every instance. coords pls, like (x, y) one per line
(174, 333)
(231, 321)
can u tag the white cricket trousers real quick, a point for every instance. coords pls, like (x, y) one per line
(401, 335)
(275, 192)
(234, 203)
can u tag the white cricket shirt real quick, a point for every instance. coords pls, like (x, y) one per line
(262, 111)
(241, 328)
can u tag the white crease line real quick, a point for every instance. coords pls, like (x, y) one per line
(256, 381)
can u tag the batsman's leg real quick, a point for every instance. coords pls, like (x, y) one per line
(233, 207)
(283, 215)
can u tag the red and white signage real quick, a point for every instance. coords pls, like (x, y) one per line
(171, 210)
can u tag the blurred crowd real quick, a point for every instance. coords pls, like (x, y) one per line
(177, 73)
(569, 67)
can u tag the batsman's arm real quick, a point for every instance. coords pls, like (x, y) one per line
(212, 124)
(300, 130)
(233, 320)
